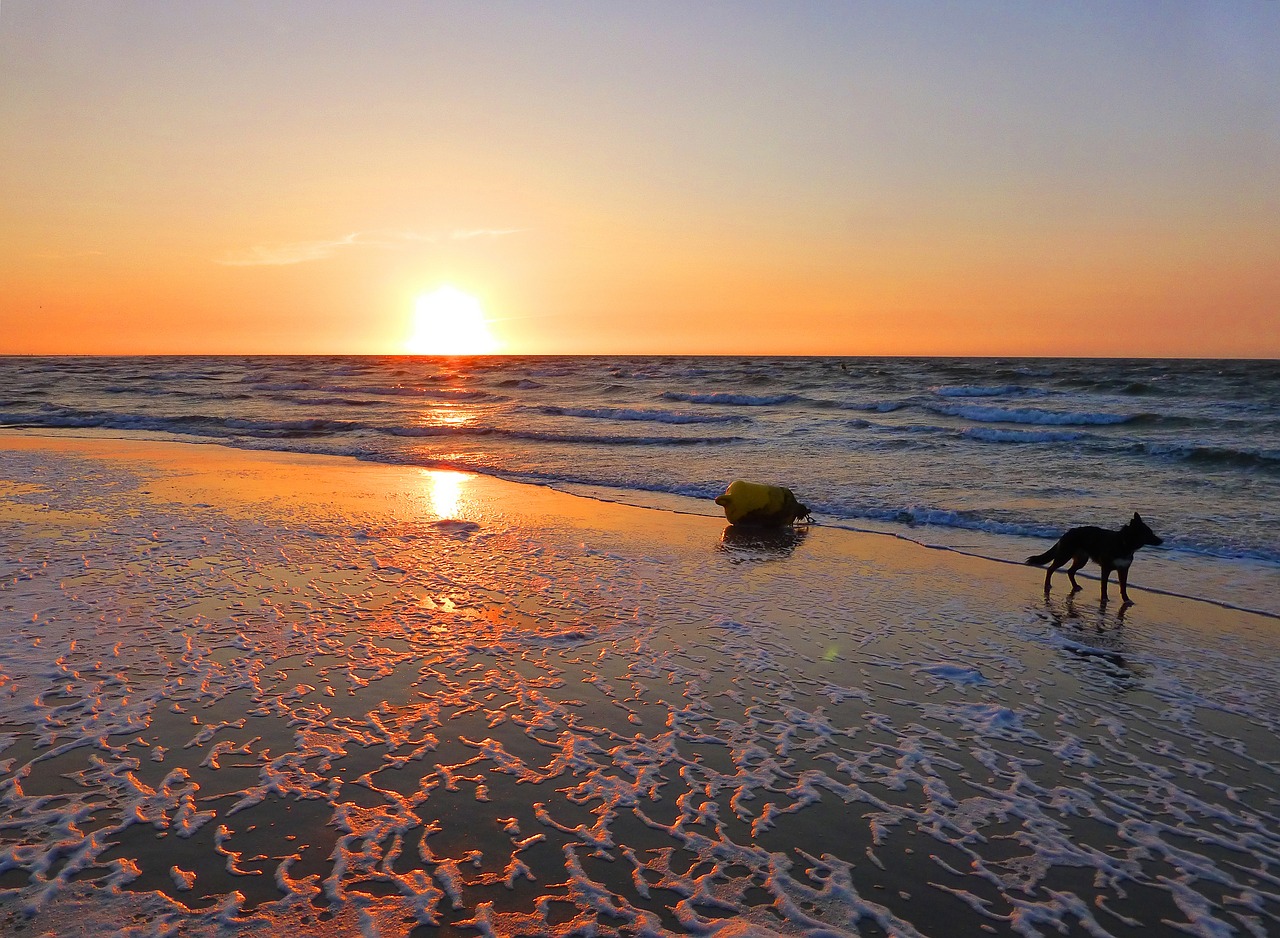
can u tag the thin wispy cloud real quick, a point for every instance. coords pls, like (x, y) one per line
(302, 252)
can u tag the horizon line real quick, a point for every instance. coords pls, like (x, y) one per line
(761, 355)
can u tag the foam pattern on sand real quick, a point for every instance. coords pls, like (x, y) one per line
(283, 720)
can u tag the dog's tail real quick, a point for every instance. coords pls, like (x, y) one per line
(1039, 559)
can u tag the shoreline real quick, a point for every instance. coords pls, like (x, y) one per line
(1152, 562)
(255, 689)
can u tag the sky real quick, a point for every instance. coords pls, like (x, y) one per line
(792, 178)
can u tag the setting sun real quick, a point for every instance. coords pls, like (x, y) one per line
(448, 321)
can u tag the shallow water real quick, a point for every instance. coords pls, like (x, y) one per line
(441, 710)
(990, 456)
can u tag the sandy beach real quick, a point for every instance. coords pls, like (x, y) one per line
(269, 693)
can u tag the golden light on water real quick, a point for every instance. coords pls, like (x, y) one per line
(445, 416)
(448, 321)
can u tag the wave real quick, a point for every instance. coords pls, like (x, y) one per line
(262, 384)
(1129, 387)
(913, 517)
(734, 400)
(870, 407)
(993, 435)
(878, 407)
(224, 428)
(328, 369)
(1226, 551)
(179, 376)
(1002, 390)
(374, 390)
(538, 436)
(940, 517)
(187, 424)
(622, 413)
(1209, 455)
(398, 390)
(921, 516)
(879, 434)
(1033, 415)
(521, 384)
(162, 391)
(916, 517)
(898, 429)
(318, 401)
(981, 434)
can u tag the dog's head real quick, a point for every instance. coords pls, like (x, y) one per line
(1138, 529)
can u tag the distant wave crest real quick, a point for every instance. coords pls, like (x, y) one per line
(879, 407)
(733, 400)
(597, 439)
(521, 384)
(623, 413)
(396, 390)
(189, 424)
(1032, 415)
(994, 435)
(1216, 455)
(1002, 390)
(228, 428)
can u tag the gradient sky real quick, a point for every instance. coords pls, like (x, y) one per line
(962, 178)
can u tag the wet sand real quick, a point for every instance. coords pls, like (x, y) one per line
(264, 693)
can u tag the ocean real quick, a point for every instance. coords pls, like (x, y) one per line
(993, 457)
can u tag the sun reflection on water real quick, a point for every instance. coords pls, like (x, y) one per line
(447, 416)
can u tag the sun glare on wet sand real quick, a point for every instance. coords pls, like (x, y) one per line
(448, 321)
(444, 492)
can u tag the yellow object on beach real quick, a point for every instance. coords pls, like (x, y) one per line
(756, 503)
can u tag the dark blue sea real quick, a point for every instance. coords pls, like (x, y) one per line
(994, 457)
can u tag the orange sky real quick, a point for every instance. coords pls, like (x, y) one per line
(1098, 179)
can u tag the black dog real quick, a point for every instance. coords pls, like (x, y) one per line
(1111, 550)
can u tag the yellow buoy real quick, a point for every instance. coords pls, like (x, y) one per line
(757, 504)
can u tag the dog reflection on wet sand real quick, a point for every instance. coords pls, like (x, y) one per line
(1096, 640)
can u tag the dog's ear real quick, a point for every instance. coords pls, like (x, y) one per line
(1137, 517)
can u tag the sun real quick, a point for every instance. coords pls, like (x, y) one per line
(447, 321)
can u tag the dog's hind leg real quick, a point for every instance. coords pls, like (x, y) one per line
(1054, 564)
(1076, 563)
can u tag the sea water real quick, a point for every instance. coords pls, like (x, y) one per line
(995, 457)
